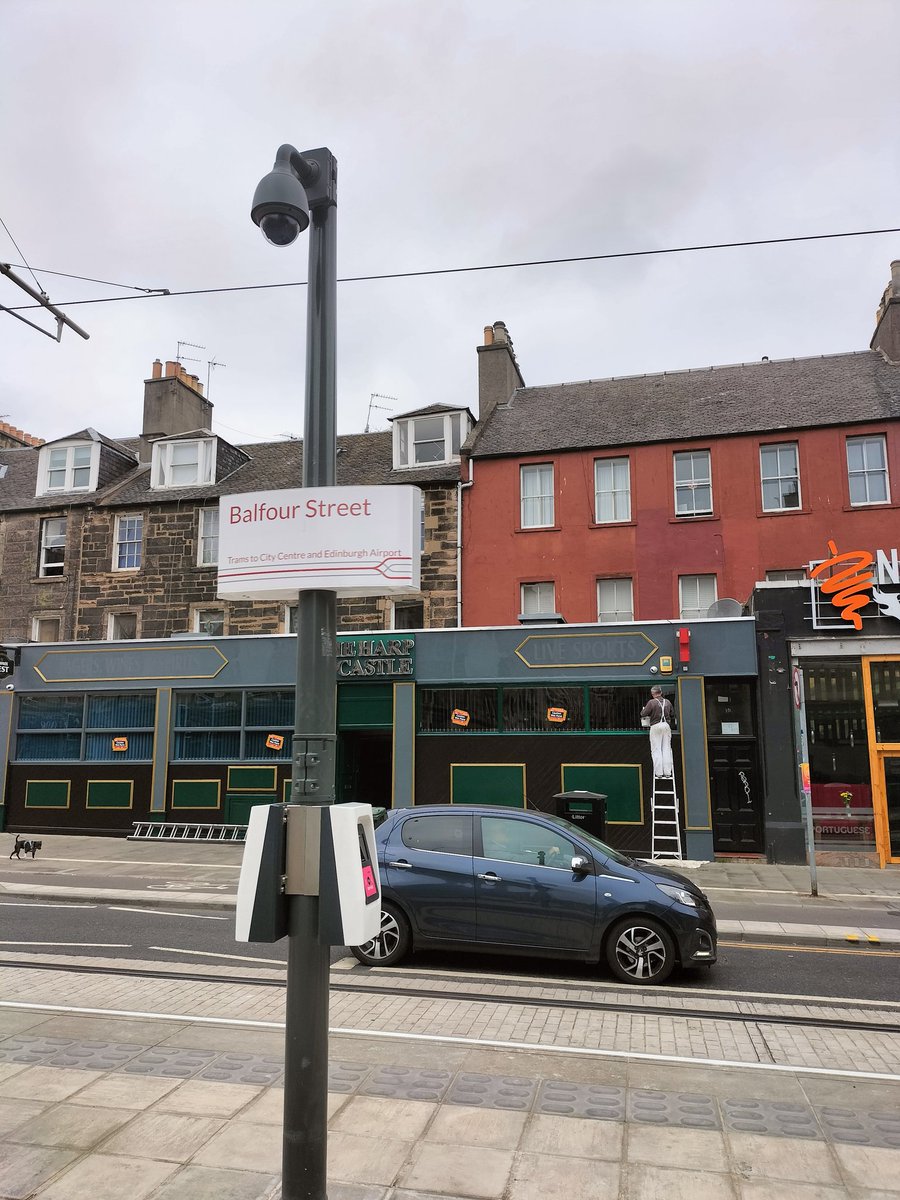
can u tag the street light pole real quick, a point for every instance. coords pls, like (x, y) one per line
(280, 209)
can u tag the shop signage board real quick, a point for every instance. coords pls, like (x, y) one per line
(357, 541)
(374, 655)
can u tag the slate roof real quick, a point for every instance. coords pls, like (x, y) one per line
(763, 397)
(363, 459)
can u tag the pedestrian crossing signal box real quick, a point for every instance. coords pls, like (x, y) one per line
(310, 850)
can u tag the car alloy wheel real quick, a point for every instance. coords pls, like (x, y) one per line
(390, 945)
(641, 951)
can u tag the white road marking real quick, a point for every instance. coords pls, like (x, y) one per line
(272, 962)
(447, 1039)
(40, 904)
(131, 862)
(155, 912)
(83, 945)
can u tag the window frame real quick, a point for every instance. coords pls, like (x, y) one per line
(43, 572)
(456, 429)
(113, 617)
(862, 439)
(615, 619)
(613, 461)
(394, 605)
(693, 484)
(524, 610)
(118, 543)
(84, 729)
(779, 478)
(161, 465)
(542, 497)
(199, 610)
(244, 729)
(44, 618)
(696, 608)
(204, 537)
(70, 447)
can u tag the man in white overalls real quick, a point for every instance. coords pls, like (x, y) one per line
(662, 716)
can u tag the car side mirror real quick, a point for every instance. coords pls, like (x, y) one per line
(580, 864)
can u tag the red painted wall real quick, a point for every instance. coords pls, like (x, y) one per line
(738, 544)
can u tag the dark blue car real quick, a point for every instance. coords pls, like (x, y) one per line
(496, 879)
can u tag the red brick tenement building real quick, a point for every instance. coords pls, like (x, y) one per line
(652, 497)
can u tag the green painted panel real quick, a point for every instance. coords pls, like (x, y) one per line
(195, 793)
(252, 779)
(237, 808)
(621, 784)
(365, 706)
(109, 793)
(47, 793)
(488, 783)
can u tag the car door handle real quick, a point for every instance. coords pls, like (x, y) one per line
(490, 877)
(403, 865)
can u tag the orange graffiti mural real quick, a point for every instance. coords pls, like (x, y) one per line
(849, 589)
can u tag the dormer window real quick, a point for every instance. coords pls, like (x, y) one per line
(430, 438)
(68, 467)
(184, 463)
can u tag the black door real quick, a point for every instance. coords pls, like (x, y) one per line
(736, 795)
(364, 767)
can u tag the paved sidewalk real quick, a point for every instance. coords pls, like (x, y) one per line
(101, 1107)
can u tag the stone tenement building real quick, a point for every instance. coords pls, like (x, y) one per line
(104, 538)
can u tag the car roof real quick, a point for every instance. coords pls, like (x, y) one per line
(488, 810)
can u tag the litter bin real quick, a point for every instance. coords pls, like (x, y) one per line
(587, 810)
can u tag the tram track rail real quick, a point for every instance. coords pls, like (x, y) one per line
(801, 1020)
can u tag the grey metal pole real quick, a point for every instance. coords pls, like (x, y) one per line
(315, 731)
(803, 774)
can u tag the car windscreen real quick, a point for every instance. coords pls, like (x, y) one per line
(594, 842)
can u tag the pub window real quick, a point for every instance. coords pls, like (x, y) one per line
(123, 720)
(616, 708)
(269, 717)
(543, 709)
(437, 706)
(57, 728)
(207, 725)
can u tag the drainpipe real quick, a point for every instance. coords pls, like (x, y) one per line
(459, 491)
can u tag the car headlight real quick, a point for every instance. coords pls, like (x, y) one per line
(682, 895)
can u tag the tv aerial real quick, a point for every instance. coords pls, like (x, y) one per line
(373, 396)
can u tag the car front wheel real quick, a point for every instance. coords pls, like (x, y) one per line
(640, 950)
(391, 944)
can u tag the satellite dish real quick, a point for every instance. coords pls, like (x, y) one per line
(726, 607)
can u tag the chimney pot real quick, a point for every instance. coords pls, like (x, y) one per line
(895, 277)
(156, 369)
(488, 335)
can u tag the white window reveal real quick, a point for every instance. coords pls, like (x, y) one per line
(123, 626)
(46, 629)
(209, 537)
(184, 463)
(867, 471)
(536, 484)
(129, 542)
(779, 472)
(432, 438)
(53, 547)
(612, 490)
(210, 621)
(695, 595)
(693, 484)
(615, 600)
(68, 468)
(537, 598)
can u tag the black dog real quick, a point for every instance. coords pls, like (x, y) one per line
(30, 846)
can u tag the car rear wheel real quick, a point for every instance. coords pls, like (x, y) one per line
(640, 950)
(392, 942)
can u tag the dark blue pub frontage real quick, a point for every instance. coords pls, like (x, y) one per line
(97, 735)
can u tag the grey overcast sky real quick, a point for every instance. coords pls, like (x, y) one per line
(466, 132)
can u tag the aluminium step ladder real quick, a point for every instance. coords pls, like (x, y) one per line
(184, 831)
(666, 831)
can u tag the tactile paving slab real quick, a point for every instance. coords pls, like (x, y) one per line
(860, 1128)
(262, 1069)
(407, 1083)
(346, 1076)
(686, 1110)
(493, 1091)
(32, 1049)
(96, 1056)
(172, 1063)
(778, 1118)
(581, 1100)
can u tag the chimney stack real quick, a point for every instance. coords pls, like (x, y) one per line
(173, 403)
(886, 337)
(498, 370)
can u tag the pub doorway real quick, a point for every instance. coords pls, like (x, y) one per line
(365, 767)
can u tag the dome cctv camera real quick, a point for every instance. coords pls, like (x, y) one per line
(279, 228)
(654, 670)
(10, 686)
